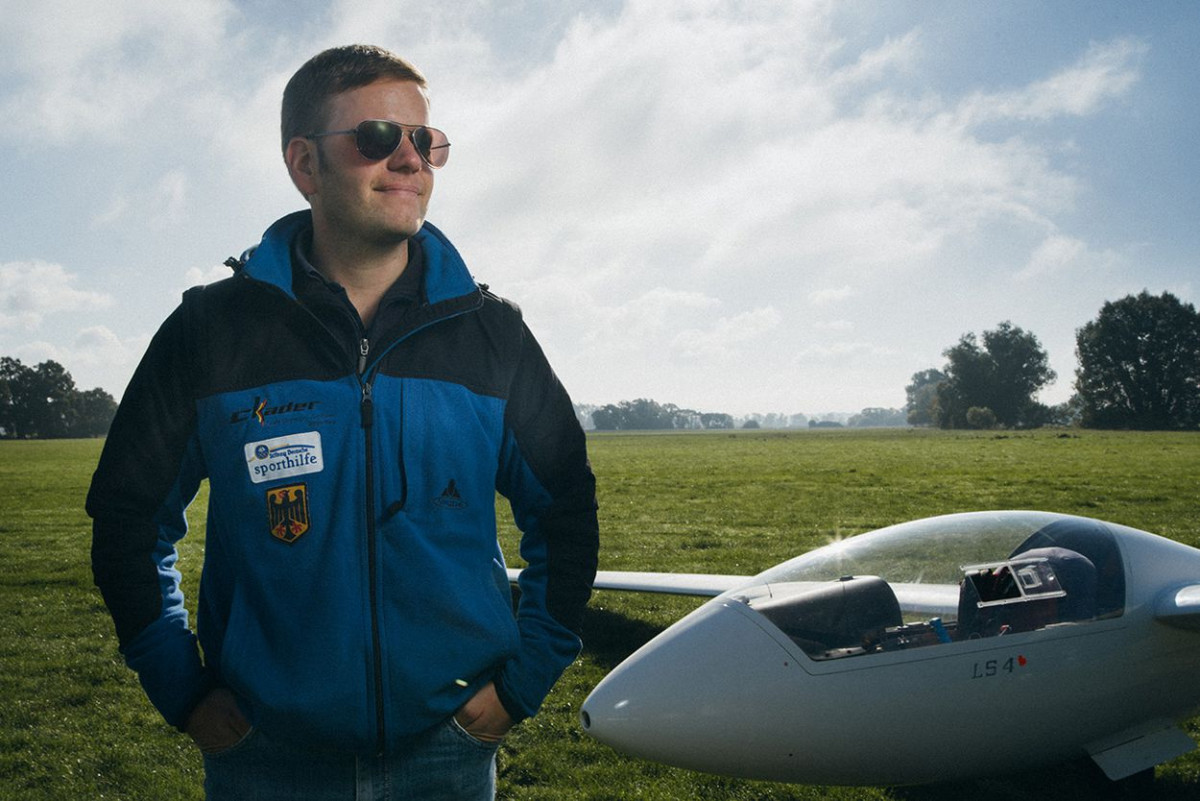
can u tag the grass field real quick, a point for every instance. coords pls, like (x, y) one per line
(74, 724)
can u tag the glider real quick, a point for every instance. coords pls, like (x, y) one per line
(940, 649)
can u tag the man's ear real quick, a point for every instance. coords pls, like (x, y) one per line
(301, 157)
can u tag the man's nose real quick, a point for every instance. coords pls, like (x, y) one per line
(406, 157)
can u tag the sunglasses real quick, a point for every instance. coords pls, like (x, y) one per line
(378, 139)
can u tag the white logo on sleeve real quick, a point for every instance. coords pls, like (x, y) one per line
(284, 457)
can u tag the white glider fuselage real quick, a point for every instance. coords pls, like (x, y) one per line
(783, 679)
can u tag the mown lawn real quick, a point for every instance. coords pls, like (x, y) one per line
(74, 724)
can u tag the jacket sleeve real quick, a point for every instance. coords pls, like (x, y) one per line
(149, 471)
(546, 476)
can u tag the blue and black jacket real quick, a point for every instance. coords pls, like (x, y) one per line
(353, 590)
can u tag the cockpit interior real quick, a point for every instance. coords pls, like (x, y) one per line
(1066, 571)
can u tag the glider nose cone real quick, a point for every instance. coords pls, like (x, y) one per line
(716, 670)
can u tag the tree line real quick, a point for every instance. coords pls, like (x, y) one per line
(1138, 368)
(43, 402)
(648, 415)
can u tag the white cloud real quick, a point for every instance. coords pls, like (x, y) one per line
(741, 158)
(894, 55)
(1106, 71)
(1054, 254)
(820, 297)
(111, 214)
(1060, 255)
(198, 277)
(665, 182)
(641, 323)
(674, 138)
(95, 357)
(31, 290)
(82, 71)
(171, 197)
(841, 351)
(727, 335)
(99, 347)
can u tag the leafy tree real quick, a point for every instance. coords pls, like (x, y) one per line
(1002, 375)
(648, 415)
(876, 417)
(13, 377)
(92, 413)
(605, 418)
(922, 397)
(50, 397)
(1068, 413)
(716, 420)
(26, 395)
(639, 415)
(981, 417)
(42, 401)
(1139, 364)
(583, 413)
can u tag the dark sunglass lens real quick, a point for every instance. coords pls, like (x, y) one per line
(378, 139)
(422, 141)
(432, 145)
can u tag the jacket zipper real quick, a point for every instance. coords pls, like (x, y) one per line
(367, 410)
(367, 413)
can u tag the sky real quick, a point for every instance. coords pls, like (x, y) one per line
(777, 206)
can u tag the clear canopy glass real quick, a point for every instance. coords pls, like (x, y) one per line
(943, 580)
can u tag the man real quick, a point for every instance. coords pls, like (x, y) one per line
(355, 400)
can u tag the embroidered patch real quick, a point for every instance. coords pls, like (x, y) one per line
(261, 409)
(284, 457)
(287, 512)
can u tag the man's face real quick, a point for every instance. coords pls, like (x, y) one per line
(372, 203)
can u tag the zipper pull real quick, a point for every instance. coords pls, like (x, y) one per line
(364, 347)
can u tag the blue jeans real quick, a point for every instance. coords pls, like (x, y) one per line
(442, 764)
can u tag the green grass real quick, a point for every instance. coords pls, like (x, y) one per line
(75, 725)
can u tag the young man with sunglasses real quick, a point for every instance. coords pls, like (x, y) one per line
(355, 401)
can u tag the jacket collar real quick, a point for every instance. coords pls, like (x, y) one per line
(446, 274)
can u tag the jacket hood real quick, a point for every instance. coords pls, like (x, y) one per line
(446, 274)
